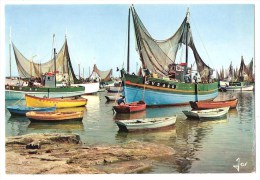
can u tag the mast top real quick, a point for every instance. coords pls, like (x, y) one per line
(188, 15)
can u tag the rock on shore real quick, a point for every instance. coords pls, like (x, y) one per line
(65, 154)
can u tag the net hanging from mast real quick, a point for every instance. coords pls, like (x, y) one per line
(157, 55)
(27, 68)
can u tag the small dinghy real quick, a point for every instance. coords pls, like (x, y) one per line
(207, 114)
(22, 110)
(54, 116)
(145, 124)
(130, 107)
(112, 98)
(232, 103)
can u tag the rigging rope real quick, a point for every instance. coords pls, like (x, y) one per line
(193, 22)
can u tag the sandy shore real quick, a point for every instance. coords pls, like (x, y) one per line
(65, 154)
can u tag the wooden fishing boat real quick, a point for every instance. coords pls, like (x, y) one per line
(32, 101)
(54, 116)
(22, 110)
(232, 103)
(207, 114)
(145, 124)
(163, 82)
(130, 107)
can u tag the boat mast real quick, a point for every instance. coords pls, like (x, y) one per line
(10, 54)
(187, 35)
(128, 44)
(54, 51)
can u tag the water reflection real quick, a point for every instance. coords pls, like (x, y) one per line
(67, 126)
(17, 125)
(164, 135)
(128, 116)
(200, 147)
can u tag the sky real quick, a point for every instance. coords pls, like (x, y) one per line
(97, 33)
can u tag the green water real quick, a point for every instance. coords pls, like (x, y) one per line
(200, 147)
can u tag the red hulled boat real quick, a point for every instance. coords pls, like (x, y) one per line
(130, 107)
(232, 103)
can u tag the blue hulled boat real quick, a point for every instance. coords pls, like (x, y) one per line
(162, 81)
(22, 110)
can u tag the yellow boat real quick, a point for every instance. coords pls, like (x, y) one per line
(54, 116)
(33, 101)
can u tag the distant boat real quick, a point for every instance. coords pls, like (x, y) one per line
(236, 86)
(18, 92)
(113, 89)
(112, 98)
(90, 88)
(232, 103)
(22, 110)
(164, 82)
(54, 116)
(207, 114)
(145, 124)
(65, 102)
(130, 107)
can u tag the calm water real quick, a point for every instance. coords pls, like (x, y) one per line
(201, 147)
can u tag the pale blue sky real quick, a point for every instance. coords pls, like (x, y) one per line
(98, 33)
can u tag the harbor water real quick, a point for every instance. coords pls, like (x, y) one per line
(219, 146)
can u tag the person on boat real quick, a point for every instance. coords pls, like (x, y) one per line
(195, 78)
(187, 78)
(121, 100)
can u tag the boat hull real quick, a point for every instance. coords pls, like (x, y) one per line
(17, 93)
(54, 116)
(209, 114)
(236, 86)
(90, 88)
(145, 124)
(166, 93)
(129, 108)
(21, 110)
(214, 104)
(32, 101)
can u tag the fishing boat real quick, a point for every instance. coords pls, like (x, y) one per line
(56, 77)
(145, 124)
(130, 107)
(232, 103)
(241, 79)
(164, 81)
(22, 110)
(18, 92)
(54, 116)
(236, 86)
(66, 102)
(207, 114)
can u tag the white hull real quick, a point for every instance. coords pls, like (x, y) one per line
(207, 114)
(89, 87)
(243, 88)
(16, 95)
(146, 124)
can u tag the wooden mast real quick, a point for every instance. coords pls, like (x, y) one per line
(187, 35)
(128, 43)
(10, 65)
(54, 52)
